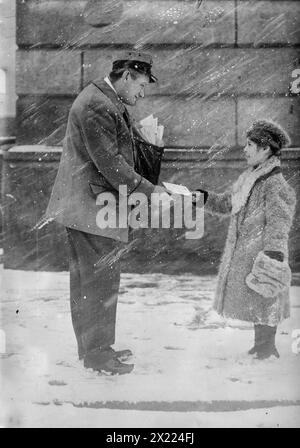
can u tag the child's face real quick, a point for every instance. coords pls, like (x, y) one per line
(255, 155)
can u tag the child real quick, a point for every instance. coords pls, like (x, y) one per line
(254, 275)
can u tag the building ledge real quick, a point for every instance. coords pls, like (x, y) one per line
(43, 153)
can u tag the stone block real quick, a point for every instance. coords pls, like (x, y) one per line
(48, 72)
(196, 122)
(8, 22)
(268, 22)
(27, 187)
(42, 118)
(193, 122)
(103, 12)
(209, 72)
(285, 111)
(53, 22)
(263, 71)
(1, 212)
(50, 22)
(7, 127)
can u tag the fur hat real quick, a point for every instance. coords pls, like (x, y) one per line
(269, 133)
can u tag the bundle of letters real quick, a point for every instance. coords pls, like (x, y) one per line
(151, 130)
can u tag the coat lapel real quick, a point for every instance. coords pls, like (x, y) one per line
(111, 94)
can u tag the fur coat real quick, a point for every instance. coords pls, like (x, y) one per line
(261, 205)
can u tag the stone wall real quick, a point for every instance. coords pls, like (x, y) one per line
(29, 174)
(219, 68)
(7, 69)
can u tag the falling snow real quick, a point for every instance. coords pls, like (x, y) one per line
(220, 66)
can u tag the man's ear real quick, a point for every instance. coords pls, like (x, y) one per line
(126, 75)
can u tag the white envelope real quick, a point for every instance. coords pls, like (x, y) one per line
(177, 189)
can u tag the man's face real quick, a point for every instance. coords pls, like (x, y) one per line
(131, 90)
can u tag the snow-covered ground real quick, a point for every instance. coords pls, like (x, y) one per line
(191, 368)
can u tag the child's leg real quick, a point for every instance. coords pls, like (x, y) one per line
(266, 342)
(254, 349)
